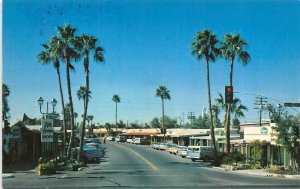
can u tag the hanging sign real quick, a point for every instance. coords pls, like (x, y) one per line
(47, 130)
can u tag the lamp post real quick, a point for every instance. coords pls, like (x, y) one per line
(41, 101)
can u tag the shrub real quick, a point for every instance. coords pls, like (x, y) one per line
(256, 166)
(228, 160)
(45, 168)
(280, 170)
(217, 161)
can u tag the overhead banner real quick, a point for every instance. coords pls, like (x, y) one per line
(47, 130)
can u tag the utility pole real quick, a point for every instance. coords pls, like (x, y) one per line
(260, 101)
(191, 116)
(182, 118)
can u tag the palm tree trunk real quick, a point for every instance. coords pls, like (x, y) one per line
(163, 118)
(213, 139)
(227, 128)
(116, 115)
(64, 111)
(86, 100)
(71, 106)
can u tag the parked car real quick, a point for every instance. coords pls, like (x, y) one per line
(110, 138)
(136, 141)
(92, 154)
(162, 146)
(96, 140)
(182, 151)
(129, 140)
(96, 145)
(170, 147)
(120, 139)
(175, 150)
(154, 145)
(204, 153)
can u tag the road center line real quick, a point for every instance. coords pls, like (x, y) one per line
(144, 159)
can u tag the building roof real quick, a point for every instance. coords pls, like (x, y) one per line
(139, 133)
(38, 128)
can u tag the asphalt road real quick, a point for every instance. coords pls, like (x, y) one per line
(132, 166)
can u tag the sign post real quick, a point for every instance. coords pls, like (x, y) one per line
(292, 104)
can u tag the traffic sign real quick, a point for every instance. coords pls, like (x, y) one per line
(292, 104)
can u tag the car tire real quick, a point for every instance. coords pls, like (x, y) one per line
(206, 158)
(96, 160)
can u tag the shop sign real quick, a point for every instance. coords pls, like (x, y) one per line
(264, 130)
(47, 130)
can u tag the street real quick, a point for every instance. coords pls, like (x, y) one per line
(127, 165)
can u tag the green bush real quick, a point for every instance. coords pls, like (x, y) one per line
(217, 161)
(72, 166)
(247, 166)
(256, 166)
(145, 142)
(228, 160)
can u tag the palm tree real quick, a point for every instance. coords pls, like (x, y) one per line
(82, 94)
(86, 44)
(52, 54)
(236, 108)
(205, 47)
(75, 117)
(163, 93)
(216, 111)
(232, 47)
(5, 107)
(66, 42)
(90, 118)
(116, 99)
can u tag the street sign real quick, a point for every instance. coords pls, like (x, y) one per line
(47, 130)
(292, 104)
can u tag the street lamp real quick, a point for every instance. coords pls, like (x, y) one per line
(41, 101)
(53, 102)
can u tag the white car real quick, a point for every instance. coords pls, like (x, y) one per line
(129, 140)
(136, 141)
(182, 151)
(110, 138)
(204, 153)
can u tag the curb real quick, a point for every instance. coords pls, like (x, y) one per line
(262, 174)
(6, 176)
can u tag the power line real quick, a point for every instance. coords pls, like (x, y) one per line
(260, 103)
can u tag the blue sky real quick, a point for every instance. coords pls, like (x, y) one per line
(147, 44)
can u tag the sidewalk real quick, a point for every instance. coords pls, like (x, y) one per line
(6, 176)
(264, 173)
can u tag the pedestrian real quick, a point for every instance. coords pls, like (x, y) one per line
(104, 140)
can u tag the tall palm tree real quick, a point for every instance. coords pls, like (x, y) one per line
(52, 54)
(232, 47)
(82, 94)
(163, 93)
(87, 44)
(117, 100)
(205, 47)
(67, 43)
